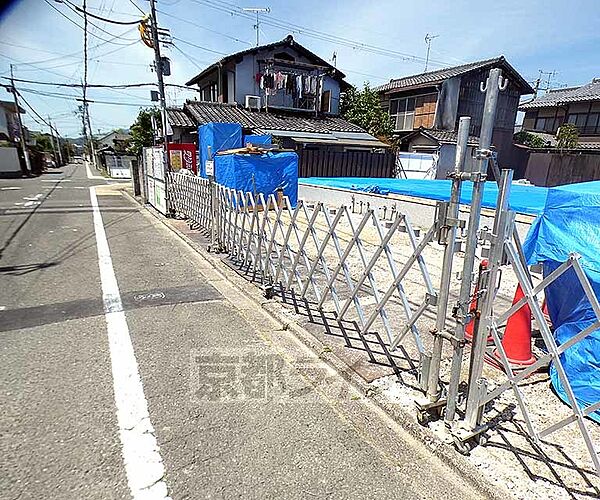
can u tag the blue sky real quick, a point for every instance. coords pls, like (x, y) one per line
(549, 35)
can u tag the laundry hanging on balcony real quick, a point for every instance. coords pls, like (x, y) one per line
(296, 84)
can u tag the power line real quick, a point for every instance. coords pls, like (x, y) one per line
(81, 27)
(80, 85)
(84, 16)
(67, 97)
(286, 26)
(78, 53)
(136, 6)
(199, 47)
(210, 30)
(112, 21)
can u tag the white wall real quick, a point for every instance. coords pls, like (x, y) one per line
(245, 81)
(9, 161)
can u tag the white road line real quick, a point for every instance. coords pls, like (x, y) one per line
(143, 463)
(89, 173)
(10, 188)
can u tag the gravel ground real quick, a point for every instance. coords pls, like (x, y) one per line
(560, 467)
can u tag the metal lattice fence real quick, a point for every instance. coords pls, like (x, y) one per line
(374, 271)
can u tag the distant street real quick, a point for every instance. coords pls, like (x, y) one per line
(132, 369)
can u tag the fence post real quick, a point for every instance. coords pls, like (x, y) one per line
(448, 223)
(501, 221)
(492, 88)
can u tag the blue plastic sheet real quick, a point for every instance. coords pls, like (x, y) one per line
(258, 140)
(264, 173)
(570, 222)
(523, 199)
(219, 137)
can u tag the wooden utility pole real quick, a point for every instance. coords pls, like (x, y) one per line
(21, 129)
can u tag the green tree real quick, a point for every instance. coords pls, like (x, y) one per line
(43, 142)
(363, 108)
(141, 131)
(530, 140)
(567, 137)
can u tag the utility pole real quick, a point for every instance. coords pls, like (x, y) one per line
(257, 11)
(52, 130)
(52, 142)
(21, 129)
(159, 71)
(86, 113)
(428, 39)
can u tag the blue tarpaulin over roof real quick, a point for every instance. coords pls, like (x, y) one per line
(523, 199)
(570, 222)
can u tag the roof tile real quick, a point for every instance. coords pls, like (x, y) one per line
(205, 112)
(588, 92)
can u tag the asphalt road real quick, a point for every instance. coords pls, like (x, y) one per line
(133, 369)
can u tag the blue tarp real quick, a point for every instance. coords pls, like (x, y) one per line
(262, 140)
(523, 199)
(219, 136)
(570, 222)
(264, 173)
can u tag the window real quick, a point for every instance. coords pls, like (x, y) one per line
(402, 112)
(586, 123)
(326, 101)
(540, 124)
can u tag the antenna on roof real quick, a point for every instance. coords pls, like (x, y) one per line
(428, 39)
(257, 11)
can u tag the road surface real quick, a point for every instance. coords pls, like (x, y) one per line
(132, 369)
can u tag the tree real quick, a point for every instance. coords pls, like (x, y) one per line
(43, 142)
(363, 108)
(530, 140)
(142, 134)
(567, 137)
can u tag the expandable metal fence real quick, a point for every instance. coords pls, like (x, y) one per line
(364, 277)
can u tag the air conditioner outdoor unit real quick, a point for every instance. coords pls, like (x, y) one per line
(252, 102)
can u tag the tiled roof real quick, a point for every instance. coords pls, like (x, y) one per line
(179, 118)
(438, 76)
(205, 112)
(447, 136)
(442, 136)
(558, 97)
(287, 41)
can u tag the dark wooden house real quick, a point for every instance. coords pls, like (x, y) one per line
(434, 102)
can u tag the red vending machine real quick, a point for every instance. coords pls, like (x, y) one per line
(182, 156)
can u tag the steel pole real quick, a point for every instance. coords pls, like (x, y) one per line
(499, 232)
(492, 89)
(448, 229)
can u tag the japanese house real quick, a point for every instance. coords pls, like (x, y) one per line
(577, 105)
(282, 89)
(425, 109)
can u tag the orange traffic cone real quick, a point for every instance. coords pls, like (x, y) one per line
(546, 313)
(517, 337)
(473, 306)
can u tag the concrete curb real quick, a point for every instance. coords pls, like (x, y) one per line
(443, 451)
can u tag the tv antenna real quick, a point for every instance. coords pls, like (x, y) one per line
(428, 39)
(257, 11)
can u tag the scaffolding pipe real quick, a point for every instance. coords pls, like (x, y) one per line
(448, 228)
(492, 88)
